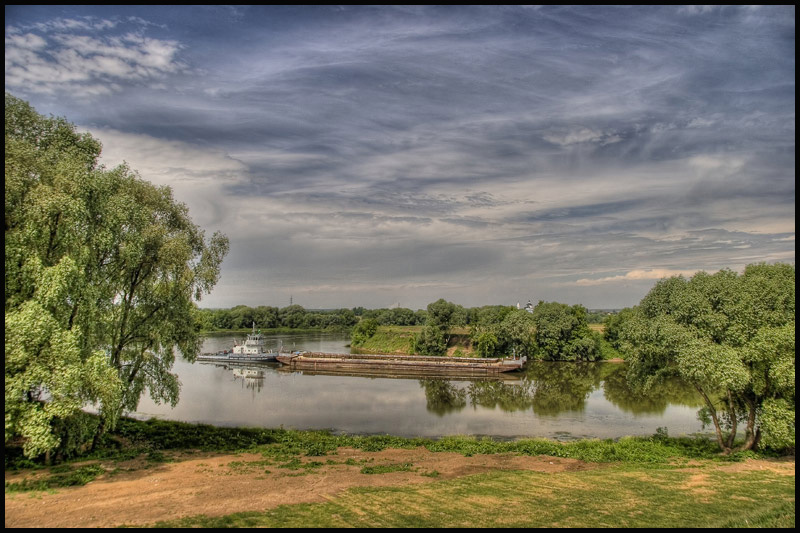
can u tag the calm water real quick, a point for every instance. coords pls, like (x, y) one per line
(555, 400)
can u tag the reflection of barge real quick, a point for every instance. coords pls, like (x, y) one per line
(400, 364)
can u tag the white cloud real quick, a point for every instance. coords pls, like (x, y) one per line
(581, 135)
(636, 275)
(72, 56)
(197, 175)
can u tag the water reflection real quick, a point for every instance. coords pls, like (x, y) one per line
(250, 376)
(658, 398)
(551, 389)
(443, 396)
(557, 400)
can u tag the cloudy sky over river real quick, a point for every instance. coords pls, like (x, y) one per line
(395, 155)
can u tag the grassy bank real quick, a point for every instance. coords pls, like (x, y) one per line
(153, 437)
(400, 340)
(619, 496)
(653, 481)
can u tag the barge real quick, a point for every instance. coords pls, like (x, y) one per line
(400, 364)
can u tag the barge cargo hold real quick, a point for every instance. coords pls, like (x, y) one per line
(400, 364)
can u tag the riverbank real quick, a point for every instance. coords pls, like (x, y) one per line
(172, 474)
(400, 340)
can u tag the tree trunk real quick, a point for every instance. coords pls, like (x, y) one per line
(98, 433)
(751, 434)
(720, 439)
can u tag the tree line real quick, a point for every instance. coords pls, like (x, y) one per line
(553, 331)
(268, 317)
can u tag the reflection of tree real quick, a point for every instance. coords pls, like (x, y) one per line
(669, 392)
(551, 388)
(518, 397)
(560, 387)
(443, 397)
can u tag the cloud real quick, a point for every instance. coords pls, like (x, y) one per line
(374, 155)
(78, 57)
(582, 135)
(636, 275)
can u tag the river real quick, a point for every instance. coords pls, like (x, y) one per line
(555, 400)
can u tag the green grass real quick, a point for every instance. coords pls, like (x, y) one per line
(615, 496)
(385, 469)
(153, 438)
(61, 476)
(390, 339)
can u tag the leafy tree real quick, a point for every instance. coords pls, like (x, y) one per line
(486, 344)
(614, 324)
(732, 337)
(292, 316)
(431, 341)
(442, 316)
(517, 332)
(364, 330)
(266, 316)
(562, 333)
(102, 270)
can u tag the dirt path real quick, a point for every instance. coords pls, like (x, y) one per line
(223, 484)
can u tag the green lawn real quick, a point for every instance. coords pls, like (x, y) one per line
(612, 496)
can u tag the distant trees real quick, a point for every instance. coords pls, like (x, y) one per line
(562, 333)
(554, 331)
(733, 338)
(443, 316)
(363, 331)
(266, 317)
(102, 270)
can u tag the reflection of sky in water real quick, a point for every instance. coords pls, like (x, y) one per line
(214, 394)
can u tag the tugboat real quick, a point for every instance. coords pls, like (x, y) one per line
(251, 351)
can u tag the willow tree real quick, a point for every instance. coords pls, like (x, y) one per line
(730, 336)
(102, 272)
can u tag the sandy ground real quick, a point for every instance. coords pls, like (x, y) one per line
(223, 484)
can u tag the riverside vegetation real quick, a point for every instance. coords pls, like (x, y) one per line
(660, 471)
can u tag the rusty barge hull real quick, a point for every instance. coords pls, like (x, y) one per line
(414, 365)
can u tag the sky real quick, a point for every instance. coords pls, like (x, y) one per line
(385, 156)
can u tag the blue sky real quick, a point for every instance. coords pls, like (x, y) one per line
(378, 156)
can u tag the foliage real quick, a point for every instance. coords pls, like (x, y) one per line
(563, 334)
(732, 337)
(614, 324)
(397, 316)
(363, 331)
(431, 341)
(445, 315)
(517, 332)
(268, 317)
(67, 478)
(101, 273)
(146, 436)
